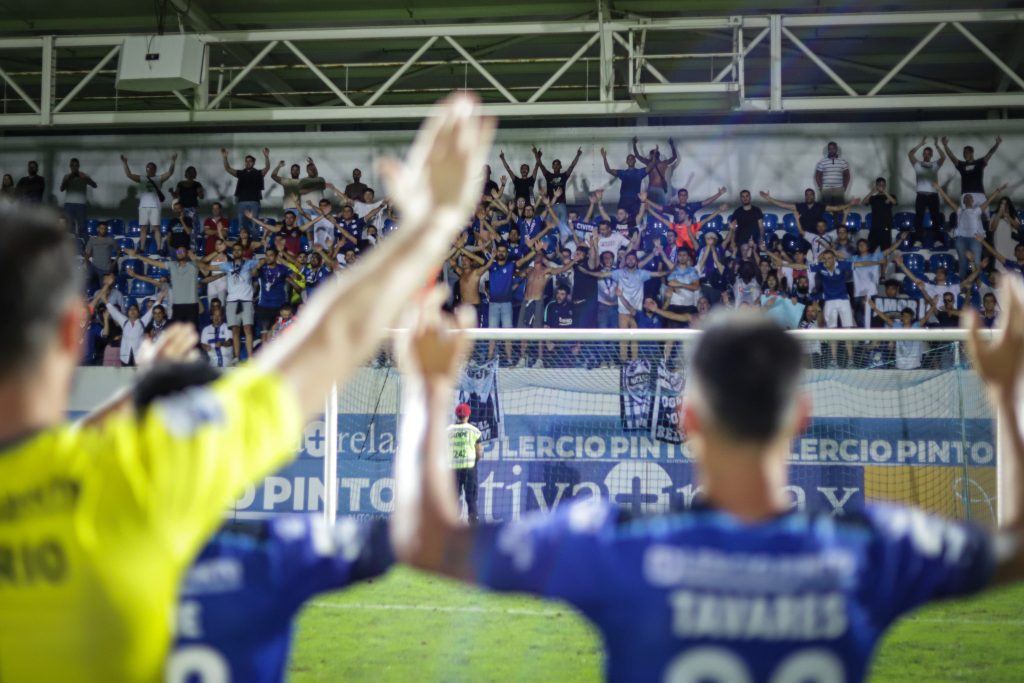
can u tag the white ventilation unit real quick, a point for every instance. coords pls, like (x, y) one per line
(160, 63)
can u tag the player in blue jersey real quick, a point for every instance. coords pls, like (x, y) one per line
(240, 596)
(238, 599)
(740, 588)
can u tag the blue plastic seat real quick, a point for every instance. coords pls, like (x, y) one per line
(124, 243)
(789, 223)
(156, 272)
(133, 229)
(139, 288)
(90, 226)
(115, 227)
(853, 221)
(716, 223)
(947, 261)
(904, 220)
(914, 263)
(771, 222)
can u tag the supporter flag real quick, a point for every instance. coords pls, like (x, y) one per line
(479, 388)
(635, 397)
(668, 387)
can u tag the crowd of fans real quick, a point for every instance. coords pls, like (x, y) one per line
(529, 259)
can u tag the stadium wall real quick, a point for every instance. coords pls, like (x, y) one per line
(777, 157)
(920, 437)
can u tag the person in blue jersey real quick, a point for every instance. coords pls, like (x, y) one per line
(741, 587)
(630, 177)
(239, 597)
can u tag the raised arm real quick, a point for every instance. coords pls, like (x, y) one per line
(227, 164)
(945, 197)
(881, 315)
(344, 324)
(722, 208)
(1000, 363)
(992, 150)
(912, 154)
(995, 193)
(992, 250)
(948, 151)
(576, 160)
(766, 195)
(537, 154)
(636, 152)
(713, 198)
(274, 174)
(127, 171)
(266, 161)
(675, 152)
(604, 157)
(170, 171)
(504, 162)
(913, 278)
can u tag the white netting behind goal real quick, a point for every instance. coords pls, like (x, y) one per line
(587, 423)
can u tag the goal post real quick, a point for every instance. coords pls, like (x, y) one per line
(597, 417)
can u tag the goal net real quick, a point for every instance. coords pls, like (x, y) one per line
(596, 416)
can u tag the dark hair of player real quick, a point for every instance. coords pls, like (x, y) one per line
(745, 371)
(39, 277)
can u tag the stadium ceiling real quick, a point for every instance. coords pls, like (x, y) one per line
(316, 61)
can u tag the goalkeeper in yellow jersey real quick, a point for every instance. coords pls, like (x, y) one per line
(99, 521)
(465, 448)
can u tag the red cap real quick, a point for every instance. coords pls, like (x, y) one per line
(462, 410)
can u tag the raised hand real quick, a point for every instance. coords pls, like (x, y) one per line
(266, 151)
(999, 139)
(124, 158)
(765, 194)
(504, 179)
(223, 151)
(501, 154)
(174, 157)
(604, 152)
(1001, 361)
(280, 163)
(945, 140)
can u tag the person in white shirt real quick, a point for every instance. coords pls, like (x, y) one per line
(217, 341)
(150, 198)
(908, 353)
(370, 210)
(133, 328)
(926, 172)
(969, 227)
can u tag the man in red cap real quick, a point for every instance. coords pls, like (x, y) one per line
(465, 447)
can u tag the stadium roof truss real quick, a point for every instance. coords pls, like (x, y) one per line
(599, 66)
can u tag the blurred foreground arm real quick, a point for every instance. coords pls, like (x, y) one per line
(436, 189)
(1000, 363)
(425, 528)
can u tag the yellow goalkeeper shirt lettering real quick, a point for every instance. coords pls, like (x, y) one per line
(98, 524)
(462, 440)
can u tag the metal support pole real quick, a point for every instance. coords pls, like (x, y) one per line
(243, 73)
(483, 72)
(85, 81)
(401, 70)
(1010, 73)
(606, 90)
(201, 93)
(906, 59)
(331, 456)
(17, 89)
(565, 67)
(819, 62)
(318, 73)
(48, 83)
(775, 27)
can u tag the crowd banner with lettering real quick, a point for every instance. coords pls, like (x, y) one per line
(668, 388)
(479, 388)
(635, 396)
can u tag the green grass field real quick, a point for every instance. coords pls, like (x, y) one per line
(413, 627)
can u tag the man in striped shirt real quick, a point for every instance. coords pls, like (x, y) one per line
(832, 176)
